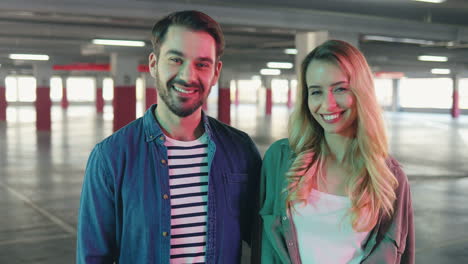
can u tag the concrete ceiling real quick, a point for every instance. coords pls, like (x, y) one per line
(256, 31)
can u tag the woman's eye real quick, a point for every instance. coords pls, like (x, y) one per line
(315, 92)
(341, 89)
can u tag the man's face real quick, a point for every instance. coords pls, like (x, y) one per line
(185, 69)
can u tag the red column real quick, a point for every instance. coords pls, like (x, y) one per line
(268, 103)
(224, 105)
(455, 109)
(151, 97)
(64, 103)
(99, 99)
(124, 105)
(43, 108)
(3, 102)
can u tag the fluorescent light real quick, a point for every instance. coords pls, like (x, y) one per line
(29, 57)
(432, 58)
(270, 72)
(398, 40)
(431, 1)
(440, 71)
(115, 42)
(280, 65)
(290, 51)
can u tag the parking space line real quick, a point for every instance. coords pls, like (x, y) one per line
(62, 224)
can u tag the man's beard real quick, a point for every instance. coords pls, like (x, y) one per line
(173, 103)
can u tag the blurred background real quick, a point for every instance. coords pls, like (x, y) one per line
(73, 72)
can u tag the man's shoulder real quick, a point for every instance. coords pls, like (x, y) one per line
(124, 136)
(222, 128)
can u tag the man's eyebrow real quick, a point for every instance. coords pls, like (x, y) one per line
(175, 52)
(181, 54)
(333, 84)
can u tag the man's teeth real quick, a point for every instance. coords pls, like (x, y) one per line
(182, 91)
(330, 117)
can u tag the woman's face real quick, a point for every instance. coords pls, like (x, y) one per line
(330, 99)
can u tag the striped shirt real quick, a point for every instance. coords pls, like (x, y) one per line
(188, 183)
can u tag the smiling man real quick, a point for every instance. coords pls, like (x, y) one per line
(175, 186)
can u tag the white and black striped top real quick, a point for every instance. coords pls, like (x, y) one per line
(188, 182)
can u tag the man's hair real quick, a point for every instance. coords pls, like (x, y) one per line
(193, 20)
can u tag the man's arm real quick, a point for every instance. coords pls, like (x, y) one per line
(96, 242)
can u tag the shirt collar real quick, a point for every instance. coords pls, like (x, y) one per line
(153, 131)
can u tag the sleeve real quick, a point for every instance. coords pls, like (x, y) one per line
(96, 241)
(267, 253)
(408, 256)
(253, 219)
(405, 220)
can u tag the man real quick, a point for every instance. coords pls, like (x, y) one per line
(174, 186)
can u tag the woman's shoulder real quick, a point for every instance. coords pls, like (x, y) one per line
(279, 148)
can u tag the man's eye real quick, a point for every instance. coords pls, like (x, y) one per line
(176, 60)
(203, 65)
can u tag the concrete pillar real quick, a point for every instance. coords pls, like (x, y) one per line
(455, 97)
(224, 97)
(43, 72)
(306, 42)
(124, 73)
(99, 98)
(3, 102)
(289, 102)
(395, 95)
(64, 103)
(266, 81)
(151, 93)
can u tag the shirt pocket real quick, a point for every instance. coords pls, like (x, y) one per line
(236, 187)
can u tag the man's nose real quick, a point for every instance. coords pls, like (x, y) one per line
(186, 73)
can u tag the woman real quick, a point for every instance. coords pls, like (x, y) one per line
(331, 193)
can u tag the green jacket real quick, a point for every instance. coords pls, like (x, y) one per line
(390, 241)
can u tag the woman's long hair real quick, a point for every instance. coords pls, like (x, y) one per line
(371, 185)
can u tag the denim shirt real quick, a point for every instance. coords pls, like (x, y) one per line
(390, 241)
(125, 212)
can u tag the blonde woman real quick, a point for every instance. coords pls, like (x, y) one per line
(330, 192)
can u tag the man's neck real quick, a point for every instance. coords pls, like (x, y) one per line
(179, 128)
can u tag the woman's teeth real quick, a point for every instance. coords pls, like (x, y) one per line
(330, 117)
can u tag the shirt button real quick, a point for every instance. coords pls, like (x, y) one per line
(290, 244)
(164, 233)
(163, 161)
(151, 136)
(285, 218)
(165, 196)
(161, 138)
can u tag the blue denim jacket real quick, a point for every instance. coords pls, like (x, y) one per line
(125, 212)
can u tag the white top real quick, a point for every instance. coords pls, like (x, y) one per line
(324, 233)
(188, 183)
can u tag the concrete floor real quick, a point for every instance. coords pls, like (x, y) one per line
(41, 176)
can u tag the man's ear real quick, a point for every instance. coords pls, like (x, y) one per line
(152, 64)
(218, 68)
